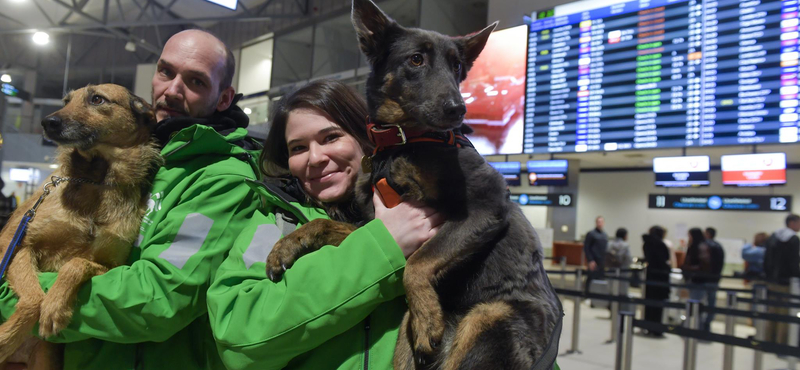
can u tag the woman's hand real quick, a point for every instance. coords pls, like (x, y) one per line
(410, 224)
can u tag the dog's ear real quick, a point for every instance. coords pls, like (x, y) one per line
(142, 111)
(474, 43)
(371, 25)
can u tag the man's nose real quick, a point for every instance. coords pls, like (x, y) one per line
(175, 89)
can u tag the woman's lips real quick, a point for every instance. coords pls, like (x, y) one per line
(323, 177)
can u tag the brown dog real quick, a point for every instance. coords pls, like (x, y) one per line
(477, 292)
(90, 218)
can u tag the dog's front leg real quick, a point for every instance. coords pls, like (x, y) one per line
(57, 305)
(455, 242)
(308, 238)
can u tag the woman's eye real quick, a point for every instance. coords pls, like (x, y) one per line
(296, 149)
(97, 100)
(331, 138)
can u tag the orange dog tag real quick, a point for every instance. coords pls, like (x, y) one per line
(389, 197)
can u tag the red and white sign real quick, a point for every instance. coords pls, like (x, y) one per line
(754, 169)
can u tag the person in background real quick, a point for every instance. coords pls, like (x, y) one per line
(7, 205)
(717, 265)
(618, 256)
(673, 256)
(656, 254)
(753, 253)
(781, 263)
(697, 266)
(594, 247)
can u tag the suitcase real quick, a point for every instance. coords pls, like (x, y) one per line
(600, 287)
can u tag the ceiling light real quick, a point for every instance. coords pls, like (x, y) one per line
(248, 111)
(5, 78)
(130, 46)
(41, 38)
(54, 166)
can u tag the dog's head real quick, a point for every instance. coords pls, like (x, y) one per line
(415, 73)
(100, 114)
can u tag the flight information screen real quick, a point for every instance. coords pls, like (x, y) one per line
(660, 74)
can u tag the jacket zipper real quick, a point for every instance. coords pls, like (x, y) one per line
(366, 343)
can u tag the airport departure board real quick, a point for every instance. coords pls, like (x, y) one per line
(661, 74)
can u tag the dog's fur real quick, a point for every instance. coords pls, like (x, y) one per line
(83, 228)
(477, 292)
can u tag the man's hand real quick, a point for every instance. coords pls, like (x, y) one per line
(592, 265)
(410, 224)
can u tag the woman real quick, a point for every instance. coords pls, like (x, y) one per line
(337, 307)
(753, 254)
(658, 268)
(697, 267)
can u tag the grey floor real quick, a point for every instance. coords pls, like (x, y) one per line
(648, 353)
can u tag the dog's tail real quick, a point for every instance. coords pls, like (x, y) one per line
(25, 282)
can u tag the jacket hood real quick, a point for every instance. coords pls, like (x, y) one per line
(785, 234)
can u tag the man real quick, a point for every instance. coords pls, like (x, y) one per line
(618, 255)
(717, 264)
(781, 263)
(152, 314)
(594, 246)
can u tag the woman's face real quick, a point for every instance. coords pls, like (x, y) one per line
(322, 156)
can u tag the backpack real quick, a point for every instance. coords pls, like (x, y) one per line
(614, 255)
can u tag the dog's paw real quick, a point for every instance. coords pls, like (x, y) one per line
(283, 255)
(427, 333)
(54, 317)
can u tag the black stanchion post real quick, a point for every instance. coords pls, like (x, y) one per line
(640, 308)
(690, 344)
(625, 342)
(563, 263)
(794, 329)
(576, 315)
(614, 307)
(727, 357)
(759, 294)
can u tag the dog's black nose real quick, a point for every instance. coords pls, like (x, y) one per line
(51, 123)
(454, 109)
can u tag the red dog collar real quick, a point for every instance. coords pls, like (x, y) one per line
(389, 135)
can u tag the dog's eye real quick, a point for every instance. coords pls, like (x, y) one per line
(97, 100)
(457, 67)
(417, 60)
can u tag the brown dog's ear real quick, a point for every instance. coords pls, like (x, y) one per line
(371, 25)
(474, 43)
(141, 110)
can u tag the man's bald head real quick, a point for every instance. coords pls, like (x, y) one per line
(193, 76)
(229, 66)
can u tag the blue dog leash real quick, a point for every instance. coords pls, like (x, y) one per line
(23, 225)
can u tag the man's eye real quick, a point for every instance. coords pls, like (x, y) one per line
(198, 82)
(165, 72)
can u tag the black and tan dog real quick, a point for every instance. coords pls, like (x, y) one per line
(477, 292)
(88, 222)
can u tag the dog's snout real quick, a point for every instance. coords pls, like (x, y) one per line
(52, 122)
(454, 109)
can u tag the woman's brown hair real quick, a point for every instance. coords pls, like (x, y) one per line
(341, 103)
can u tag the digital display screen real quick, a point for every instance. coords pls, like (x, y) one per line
(754, 169)
(548, 173)
(681, 171)
(768, 203)
(494, 93)
(661, 73)
(509, 170)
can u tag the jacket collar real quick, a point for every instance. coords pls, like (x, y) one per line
(223, 122)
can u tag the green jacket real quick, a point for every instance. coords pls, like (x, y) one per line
(336, 308)
(152, 314)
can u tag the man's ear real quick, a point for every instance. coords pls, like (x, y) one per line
(225, 98)
(142, 111)
(474, 43)
(372, 26)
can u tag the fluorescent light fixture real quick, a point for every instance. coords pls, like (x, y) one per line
(54, 166)
(247, 110)
(41, 38)
(230, 4)
(130, 46)
(5, 78)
